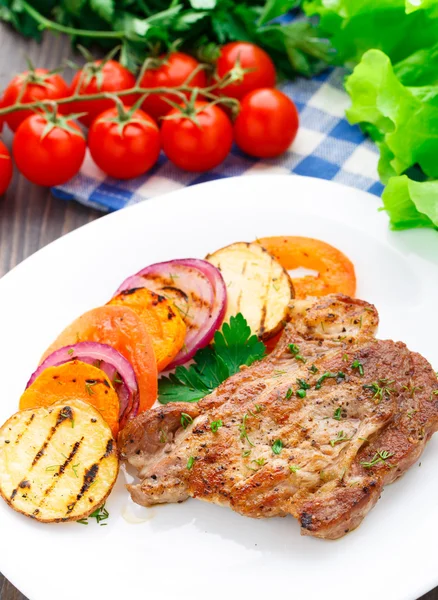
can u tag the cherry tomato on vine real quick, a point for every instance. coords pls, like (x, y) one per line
(38, 84)
(171, 71)
(5, 168)
(242, 55)
(266, 124)
(124, 147)
(48, 149)
(99, 76)
(198, 139)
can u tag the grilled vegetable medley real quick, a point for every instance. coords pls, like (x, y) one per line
(197, 320)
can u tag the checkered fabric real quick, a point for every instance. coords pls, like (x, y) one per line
(326, 146)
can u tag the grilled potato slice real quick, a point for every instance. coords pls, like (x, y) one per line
(57, 463)
(257, 286)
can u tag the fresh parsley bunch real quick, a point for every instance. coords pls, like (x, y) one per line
(233, 347)
(199, 25)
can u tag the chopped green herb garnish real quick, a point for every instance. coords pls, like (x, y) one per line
(411, 389)
(75, 467)
(89, 386)
(314, 369)
(301, 393)
(303, 384)
(289, 393)
(100, 514)
(411, 413)
(380, 388)
(70, 352)
(295, 351)
(258, 408)
(186, 420)
(341, 437)
(233, 347)
(279, 373)
(246, 453)
(338, 414)
(259, 461)
(358, 365)
(163, 437)
(380, 456)
(243, 431)
(277, 446)
(328, 375)
(345, 357)
(190, 463)
(294, 468)
(214, 425)
(52, 467)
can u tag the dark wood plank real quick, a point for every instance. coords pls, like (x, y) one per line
(30, 217)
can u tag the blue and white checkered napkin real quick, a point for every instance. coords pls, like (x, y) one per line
(326, 147)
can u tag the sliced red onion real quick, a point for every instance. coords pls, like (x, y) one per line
(197, 289)
(107, 358)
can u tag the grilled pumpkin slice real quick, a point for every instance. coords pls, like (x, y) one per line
(77, 381)
(162, 320)
(57, 463)
(257, 286)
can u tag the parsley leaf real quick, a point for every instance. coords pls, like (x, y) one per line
(140, 25)
(233, 347)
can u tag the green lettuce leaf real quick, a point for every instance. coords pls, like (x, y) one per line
(420, 68)
(411, 203)
(397, 27)
(406, 117)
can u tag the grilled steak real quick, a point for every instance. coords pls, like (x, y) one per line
(314, 430)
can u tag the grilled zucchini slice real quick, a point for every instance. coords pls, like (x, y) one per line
(257, 286)
(57, 463)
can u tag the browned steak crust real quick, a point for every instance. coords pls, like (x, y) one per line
(351, 434)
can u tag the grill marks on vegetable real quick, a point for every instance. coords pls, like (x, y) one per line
(20, 435)
(90, 473)
(63, 467)
(64, 414)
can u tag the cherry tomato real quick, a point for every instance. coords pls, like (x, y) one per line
(39, 85)
(5, 168)
(266, 124)
(197, 146)
(247, 56)
(48, 157)
(124, 150)
(100, 76)
(172, 72)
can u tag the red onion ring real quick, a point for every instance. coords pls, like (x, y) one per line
(110, 361)
(197, 288)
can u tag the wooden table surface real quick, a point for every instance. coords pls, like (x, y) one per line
(30, 217)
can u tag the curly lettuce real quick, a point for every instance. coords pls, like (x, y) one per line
(397, 27)
(398, 106)
(411, 203)
(406, 117)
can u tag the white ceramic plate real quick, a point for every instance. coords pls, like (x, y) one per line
(196, 550)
